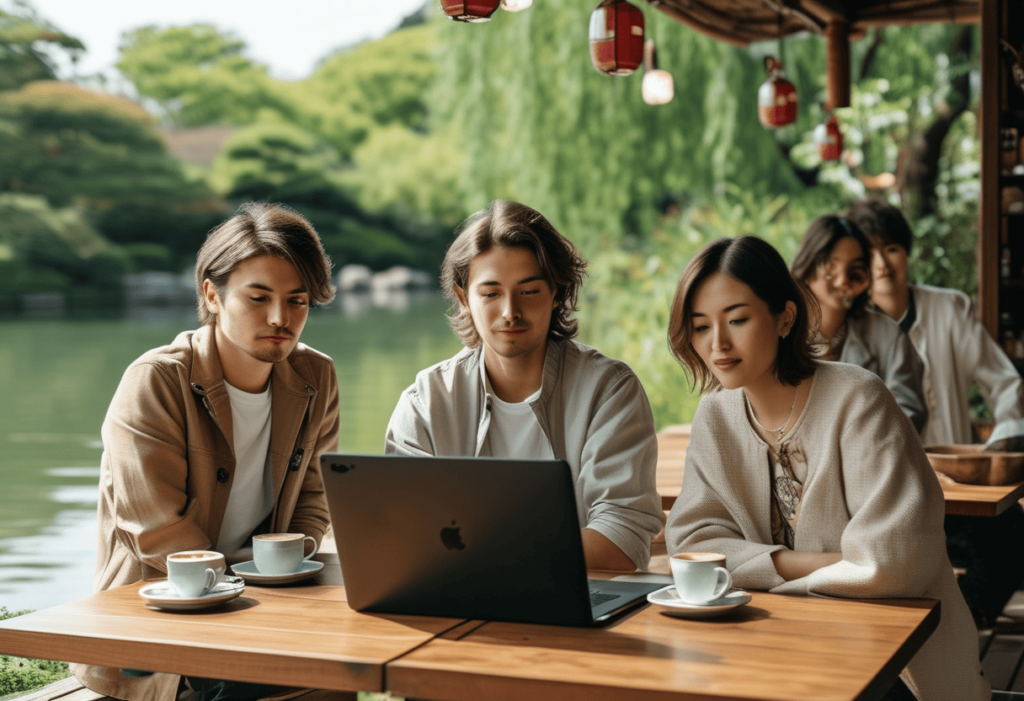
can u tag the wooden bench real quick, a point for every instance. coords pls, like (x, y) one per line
(69, 689)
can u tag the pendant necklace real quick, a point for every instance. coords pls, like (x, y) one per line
(781, 430)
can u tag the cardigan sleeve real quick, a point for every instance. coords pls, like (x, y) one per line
(894, 543)
(724, 503)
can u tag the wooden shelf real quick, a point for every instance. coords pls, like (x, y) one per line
(1001, 106)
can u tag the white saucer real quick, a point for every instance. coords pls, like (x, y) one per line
(162, 595)
(669, 598)
(247, 571)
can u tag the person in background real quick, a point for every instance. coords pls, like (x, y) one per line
(944, 328)
(832, 261)
(957, 353)
(805, 473)
(522, 388)
(217, 436)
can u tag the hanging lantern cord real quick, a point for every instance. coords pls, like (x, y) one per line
(782, 48)
(650, 56)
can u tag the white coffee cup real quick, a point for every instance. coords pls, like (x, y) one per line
(193, 573)
(700, 577)
(280, 553)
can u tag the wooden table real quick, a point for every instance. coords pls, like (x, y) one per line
(304, 636)
(961, 499)
(776, 648)
(307, 636)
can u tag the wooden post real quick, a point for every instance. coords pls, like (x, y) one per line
(837, 70)
(988, 210)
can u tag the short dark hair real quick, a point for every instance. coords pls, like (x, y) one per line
(756, 264)
(260, 229)
(816, 247)
(882, 223)
(513, 225)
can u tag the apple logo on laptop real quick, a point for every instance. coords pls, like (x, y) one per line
(451, 538)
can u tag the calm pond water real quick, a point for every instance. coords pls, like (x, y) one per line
(57, 376)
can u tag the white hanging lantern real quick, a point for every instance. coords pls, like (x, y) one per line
(515, 5)
(658, 86)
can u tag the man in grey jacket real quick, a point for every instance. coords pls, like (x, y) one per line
(522, 388)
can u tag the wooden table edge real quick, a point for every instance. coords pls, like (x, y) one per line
(958, 507)
(887, 676)
(304, 669)
(178, 658)
(416, 681)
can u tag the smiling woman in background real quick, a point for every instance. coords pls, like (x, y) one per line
(833, 262)
(805, 474)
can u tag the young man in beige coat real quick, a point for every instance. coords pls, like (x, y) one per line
(217, 436)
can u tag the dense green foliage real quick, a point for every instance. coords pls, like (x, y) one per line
(336, 146)
(100, 159)
(26, 44)
(19, 675)
(199, 75)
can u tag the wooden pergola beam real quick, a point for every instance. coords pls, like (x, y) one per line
(714, 32)
(831, 18)
(811, 21)
(837, 63)
(888, 15)
(826, 10)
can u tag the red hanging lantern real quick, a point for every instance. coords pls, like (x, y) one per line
(471, 11)
(829, 139)
(616, 37)
(776, 99)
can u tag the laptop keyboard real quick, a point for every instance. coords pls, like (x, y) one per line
(599, 597)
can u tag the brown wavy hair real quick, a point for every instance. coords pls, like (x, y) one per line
(881, 223)
(260, 229)
(816, 247)
(755, 263)
(509, 224)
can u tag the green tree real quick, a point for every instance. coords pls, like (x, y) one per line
(283, 163)
(103, 155)
(27, 45)
(404, 170)
(198, 75)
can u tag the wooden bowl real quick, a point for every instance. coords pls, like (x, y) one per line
(971, 464)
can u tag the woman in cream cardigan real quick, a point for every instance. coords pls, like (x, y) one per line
(804, 473)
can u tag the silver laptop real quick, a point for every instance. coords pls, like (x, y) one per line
(477, 538)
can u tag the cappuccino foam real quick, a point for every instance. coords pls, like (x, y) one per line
(278, 537)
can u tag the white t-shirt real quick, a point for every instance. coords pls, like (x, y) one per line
(514, 431)
(250, 501)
